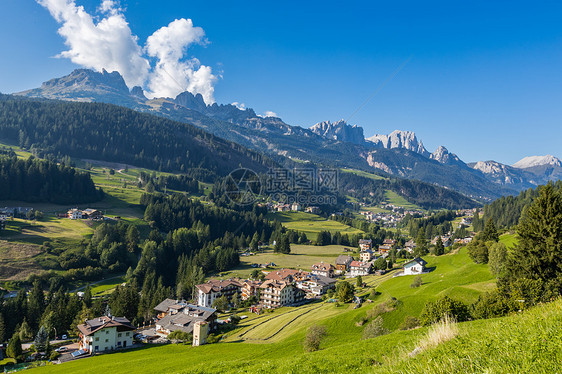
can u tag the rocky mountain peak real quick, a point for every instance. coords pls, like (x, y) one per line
(190, 101)
(400, 139)
(85, 78)
(532, 161)
(340, 131)
(443, 156)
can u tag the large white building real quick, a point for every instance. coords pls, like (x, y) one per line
(415, 266)
(208, 292)
(105, 334)
(358, 268)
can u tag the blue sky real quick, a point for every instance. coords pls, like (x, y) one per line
(485, 79)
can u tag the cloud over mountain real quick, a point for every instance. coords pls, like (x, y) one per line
(105, 41)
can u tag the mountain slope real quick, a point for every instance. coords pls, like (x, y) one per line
(329, 144)
(111, 133)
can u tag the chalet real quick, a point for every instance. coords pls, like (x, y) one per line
(366, 255)
(316, 284)
(208, 292)
(389, 242)
(92, 214)
(183, 317)
(275, 294)
(365, 244)
(286, 275)
(296, 207)
(312, 209)
(105, 334)
(74, 214)
(357, 268)
(415, 266)
(249, 288)
(444, 239)
(410, 246)
(342, 263)
(324, 269)
(384, 248)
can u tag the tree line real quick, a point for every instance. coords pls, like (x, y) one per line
(35, 180)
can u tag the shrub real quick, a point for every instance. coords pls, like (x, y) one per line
(417, 282)
(409, 323)
(180, 336)
(434, 311)
(374, 328)
(386, 307)
(54, 355)
(313, 338)
(445, 330)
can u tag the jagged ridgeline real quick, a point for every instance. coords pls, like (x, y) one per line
(116, 134)
(34, 180)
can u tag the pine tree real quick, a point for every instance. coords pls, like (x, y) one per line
(42, 340)
(25, 331)
(490, 233)
(359, 282)
(14, 346)
(439, 247)
(2, 329)
(538, 255)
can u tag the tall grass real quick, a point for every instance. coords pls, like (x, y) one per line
(438, 333)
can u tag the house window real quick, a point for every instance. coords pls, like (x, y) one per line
(97, 338)
(96, 348)
(119, 335)
(118, 343)
(106, 340)
(107, 331)
(126, 334)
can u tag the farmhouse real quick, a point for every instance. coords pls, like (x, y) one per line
(389, 242)
(415, 266)
(74, 214)
(105, 334)
(384, 248)
(357, 268)
(324, 269)
(317, 284)
(275, 294)
(342, 263)
(208, 292)
(366, 255)
(365, 244)
(183, 317)
(92, 214)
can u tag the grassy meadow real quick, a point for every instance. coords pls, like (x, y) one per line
(311, 224)
(272, 342)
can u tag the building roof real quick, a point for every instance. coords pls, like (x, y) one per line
(285, 274)
(216, 285)
(322, 266)
(343, 260)
(165, 305)
(93, 325)
(417, 260)
(360, 264)
(273, 283)
(365, 241)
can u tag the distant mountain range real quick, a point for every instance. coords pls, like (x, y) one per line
(326, 143)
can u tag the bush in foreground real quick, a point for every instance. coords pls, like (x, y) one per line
(313, 338)
(374, 328)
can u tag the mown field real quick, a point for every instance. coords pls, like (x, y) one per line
(311, 224)
(272, 342)
(301, 257)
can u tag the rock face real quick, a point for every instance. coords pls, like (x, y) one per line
(443, 156)
(400, 139)
(533, 161)
(340, 131)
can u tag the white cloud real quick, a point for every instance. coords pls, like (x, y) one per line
(173, 73)
(110, 44)
(240, 106)
(269, 113)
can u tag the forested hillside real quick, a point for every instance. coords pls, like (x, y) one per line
(34, 180)
(506, 211)
(111, 133)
